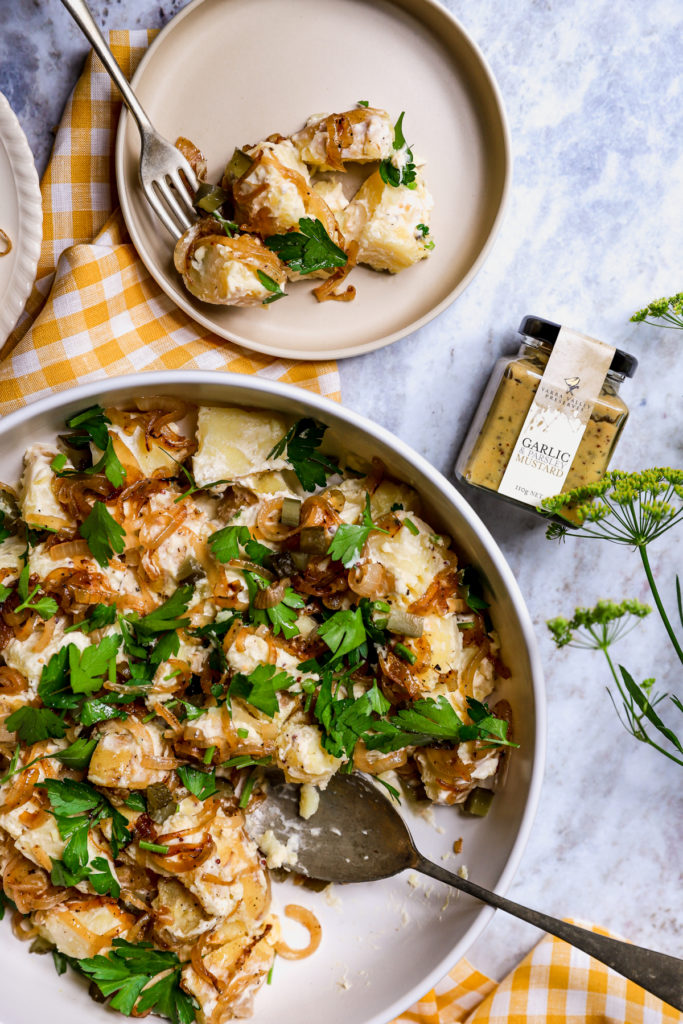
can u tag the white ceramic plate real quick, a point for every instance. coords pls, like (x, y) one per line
(228, 72)
(21, 216)
(384, 943)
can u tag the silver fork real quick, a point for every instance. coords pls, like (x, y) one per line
(160, 162)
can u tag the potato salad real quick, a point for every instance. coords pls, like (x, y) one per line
(189, 597)
(282, 211)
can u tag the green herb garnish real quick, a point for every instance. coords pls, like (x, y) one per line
(349, 540)
(104, 535)
(308, 249)
(271, 285)
(127, 973)
(300, 444)
(399, 173)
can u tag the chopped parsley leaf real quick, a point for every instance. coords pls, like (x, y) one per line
(90, 426)
(349, 540)
(104, 535)
(225, 543)
(308, 249)
(35, 724)
(101, 615)
(405, 172)
(45, 606)
(200, 783)
(300, 443)
(130, 968)
(272, 286)
(343, 632)
(260, 687)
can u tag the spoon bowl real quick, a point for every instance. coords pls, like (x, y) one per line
(356, 834)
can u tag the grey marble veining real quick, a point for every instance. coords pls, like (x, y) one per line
(593, 231)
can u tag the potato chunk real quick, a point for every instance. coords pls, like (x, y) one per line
(360, 135)
(234, 442)
(84, 927)
(122, 756)
(271, 197)
(239, 959)
(384, 221)
(39, 506)
(225, 271)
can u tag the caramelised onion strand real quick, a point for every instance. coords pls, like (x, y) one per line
(307, 918)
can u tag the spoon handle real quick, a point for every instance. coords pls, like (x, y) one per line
(658, 973)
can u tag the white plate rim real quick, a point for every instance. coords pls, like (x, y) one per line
(31, 218)
(332, 353)
(327, 409)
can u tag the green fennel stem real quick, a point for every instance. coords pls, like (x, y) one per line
(644, 737)
(658, 601)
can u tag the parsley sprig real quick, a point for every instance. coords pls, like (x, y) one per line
(430, 721)
(300, 444)
(128, 973)
(45, 606)
(395, 171)
(349, 540)
(308, 249)
(90, 426)
(78, 807)
(261, 687)
(104, 535)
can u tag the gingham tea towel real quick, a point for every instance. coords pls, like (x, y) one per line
(554, 984)
(95, 311)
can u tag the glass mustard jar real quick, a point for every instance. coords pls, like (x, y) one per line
(550, 417)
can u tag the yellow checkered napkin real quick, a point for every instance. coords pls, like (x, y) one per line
(95, 311)
(554, 984)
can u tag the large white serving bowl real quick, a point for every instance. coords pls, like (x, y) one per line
(384, 943)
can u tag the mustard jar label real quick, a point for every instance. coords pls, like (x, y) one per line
(557, 418)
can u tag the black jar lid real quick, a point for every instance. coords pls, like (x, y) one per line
(547, 331)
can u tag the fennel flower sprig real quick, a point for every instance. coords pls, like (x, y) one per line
(598, 628)
(627, 508)
(669, 309)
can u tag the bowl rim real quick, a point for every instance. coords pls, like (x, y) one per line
(326, 408)
(196, 314)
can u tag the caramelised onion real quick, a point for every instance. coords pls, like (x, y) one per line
(268, 521)
(327, 290)
(307, 918)
(75, 549)
(272, 595)
(244, 563)
(12, 681)
(370, 580)
(374, 763)
(443, 586)
(29, 886)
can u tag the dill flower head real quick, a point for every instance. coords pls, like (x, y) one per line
(627, 508)
(598, 626)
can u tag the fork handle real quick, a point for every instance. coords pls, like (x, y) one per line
(82, 15)
(658, 973)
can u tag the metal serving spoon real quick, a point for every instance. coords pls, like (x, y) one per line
(356, 835)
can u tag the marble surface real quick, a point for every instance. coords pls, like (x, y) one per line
(593, 231)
